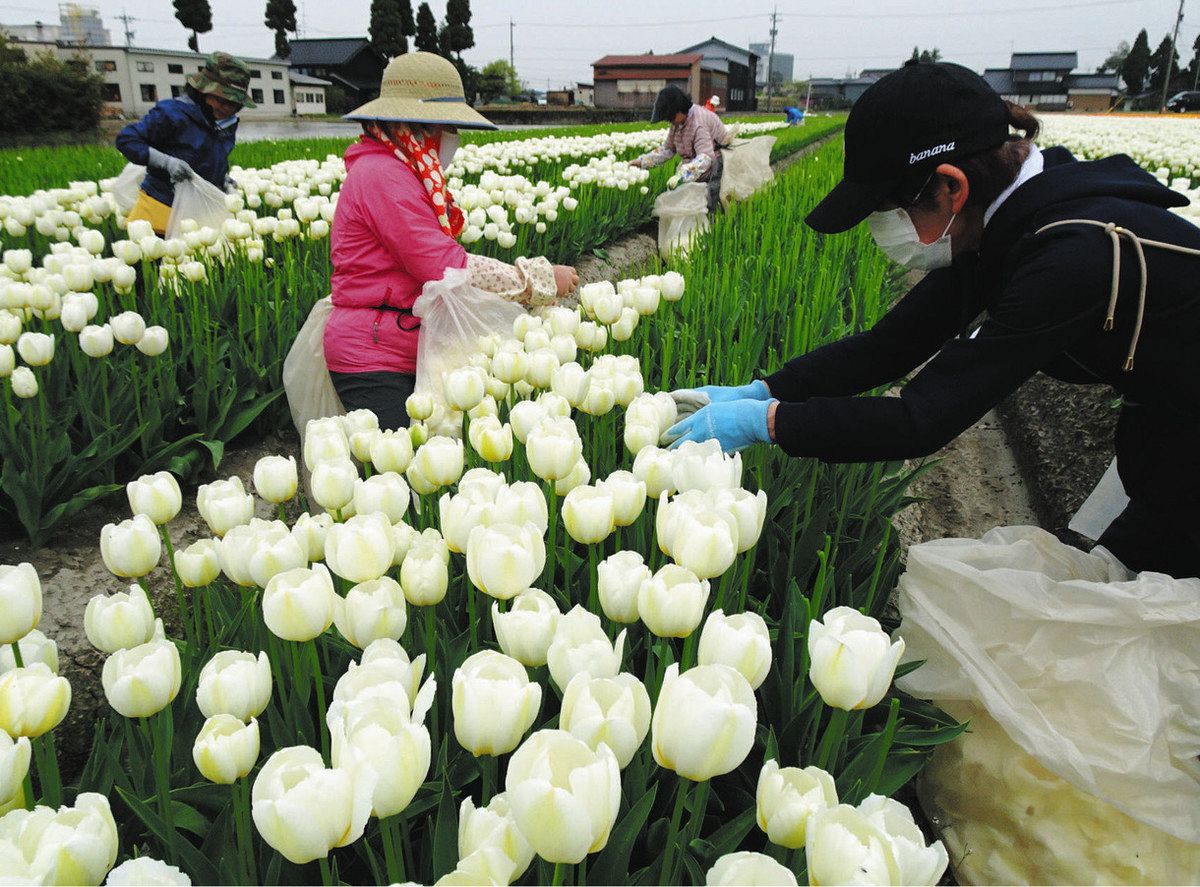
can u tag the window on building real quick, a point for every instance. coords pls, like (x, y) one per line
(111, 92)
(256, 95)
(278, 96)
(145, 67)
(255, 74)
(149, 92)
(106, 65)
(640, 85)
(174, 69)
(176, 90)
(277, 75)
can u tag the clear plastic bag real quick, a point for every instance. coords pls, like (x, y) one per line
(199, 200)
(682, 215)
(126, 186)
(454, 315)
(306, 381)
(1090, 672)
(747, 165)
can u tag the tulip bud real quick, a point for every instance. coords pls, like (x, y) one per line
(740, 641)
(553, 448)
(371, 610)
(10, 327)
(564, 796)
(524, 417)
(70, 845)
(464, 387)
(702, 466)
(628, 495)
(153, 342)
(224, 504)
(672, 285)
(491, 440)
(310, 531)
(749, 510)
(419, 407)
(35, 647)
(704, 721)
(333, 483)
(672, 601)
(424, 575)
(525, 631)
(36, 349)
(619, 579)
(787, 797)
(33, 700)
(917, 863)
(843, 845)
(128, 327)
(132, 548)
(276, 478)
(587, 514)
(143, 680)
(492, 831)
(504, 560)
(384, 493)
(155, 495)
(324, 441)
(14, 764)
(609, 711)
(303, 810)
(234, 683)
(24, 382)
(384, 672)
(360, 444)
(226, 749)
(391, 451)
(653, 467)
(119, 621)
(439, 461)
(96, 341)
(851, 658)
(494, 703)
(20, 601)
(581, 646)
(361, 549)
(8, 361)
(298, 604)
(746, 867)
(198, 564)
(510, 365)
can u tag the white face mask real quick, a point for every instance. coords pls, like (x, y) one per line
(448, 148)
(896, 235)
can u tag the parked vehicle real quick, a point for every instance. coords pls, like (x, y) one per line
(1184, 101)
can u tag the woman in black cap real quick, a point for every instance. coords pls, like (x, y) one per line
(696, 134)
(1079, 269)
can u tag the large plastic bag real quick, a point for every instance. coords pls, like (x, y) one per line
(1091, 672)
(199, 200)
(682, 215)
(454, 315)
(306, 381)
(747, 165)
(126, 186)
(1102, 506)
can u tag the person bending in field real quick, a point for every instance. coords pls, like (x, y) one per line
(696, 134)
(186, 137)
(396, 228)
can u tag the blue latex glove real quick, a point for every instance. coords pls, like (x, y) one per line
(688, 400)
(733, 424)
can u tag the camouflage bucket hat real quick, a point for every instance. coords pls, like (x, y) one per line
(224, 76)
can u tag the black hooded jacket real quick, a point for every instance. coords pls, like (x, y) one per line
(1045, 298)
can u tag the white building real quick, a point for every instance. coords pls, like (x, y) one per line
(77, 24)
(308, 93)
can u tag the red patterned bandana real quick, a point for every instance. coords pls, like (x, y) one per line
(423, 160)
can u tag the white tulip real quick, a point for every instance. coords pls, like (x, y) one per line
(371, 610)
(504, 559)
(153, 342)
(672, 286)
(333, 482)
(492, 440)
(128, 327)
(424, 574)
(360, 549)
(619, 578)
(704, 721)
(749, 510)
(18, 261)
(628, 494)
(234, 683)
(748, 869)
(520, 503)
(787, 797)
(525, 631)
(324, 441)
(143, 680)
(459, 514)
(224, 504)
(96, 341)
(276, 478)
(493, 831)
(524, 417)
(24, 382)
(310, 531)
(8, 361)
(553, 448)
(494, 703)
(132, 548)
(36, 349)
(298, 604)
(581, 646)
(672, 601)
(198, 564)
(702, 466)
(464, 387)
(35, 647)
(655, 468)
(843, 846)
(119, 621)
(14, 764)
(611, 711)
(851, 658)
(740, 641)
(384, 672)
(578, 477)
(155, 495)
(392, 451)
(20, 601)
(226, 749)
(70, 845)
(918, 864)
(386, 493)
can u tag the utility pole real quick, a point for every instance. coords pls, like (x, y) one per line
(771, 52)
(1171, 58)
(512, 59)
(125, 18)
(808, 97)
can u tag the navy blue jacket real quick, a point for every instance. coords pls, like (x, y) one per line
(178, 127)
(1044, 297)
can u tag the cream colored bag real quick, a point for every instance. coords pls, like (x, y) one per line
(747, 165)
(306, 381)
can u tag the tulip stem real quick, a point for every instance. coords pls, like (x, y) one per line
(326, 874)
(552, 548)
(470, 592)
(191, 632)
(28, 785)
(667, 873)
(241, 822)
(49, 778)
(16, 648)
(831, 741)
(393, 862)
(283, 514)
(319, 684)
(593, 594)
(560, 872)
(487, 773)
(161, 752)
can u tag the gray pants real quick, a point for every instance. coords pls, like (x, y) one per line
(714, 184)
(382, 393)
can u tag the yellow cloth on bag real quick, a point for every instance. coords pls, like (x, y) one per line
(153, 211)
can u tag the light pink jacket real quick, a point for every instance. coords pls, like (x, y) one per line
(386, 243)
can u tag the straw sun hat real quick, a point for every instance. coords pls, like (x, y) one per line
(420, 87)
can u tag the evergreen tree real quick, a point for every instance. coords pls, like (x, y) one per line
(427, 30)
(1164, 64)
(1116, 58)
(1136, 67)
(458, 33)
(408, 25)
(387, 28)
(281, 18)
(196, 16)
(1194, 68)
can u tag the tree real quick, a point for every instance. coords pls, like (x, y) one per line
(281, 18)
(1193, 71)
(427, 31)
(926, 55)
(1164, 63)
(457, 30)
(1136, 67)
(196, 16)
(67, 93)
(1115, 60)
(510, 83)
(408, 25)
(387, 28)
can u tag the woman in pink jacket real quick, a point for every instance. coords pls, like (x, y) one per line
(396, 228)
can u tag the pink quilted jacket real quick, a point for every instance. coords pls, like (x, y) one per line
(386, 243)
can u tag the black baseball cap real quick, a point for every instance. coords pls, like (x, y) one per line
(906, 124)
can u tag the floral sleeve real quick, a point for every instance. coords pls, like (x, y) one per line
(527, 281)
(657, 157)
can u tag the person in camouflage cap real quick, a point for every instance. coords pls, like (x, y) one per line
(187, 137)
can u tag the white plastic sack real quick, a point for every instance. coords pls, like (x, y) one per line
(1102, 506)
(747, 168)
(454, 315)
(1088, 669)
(306, 381)
(199, 200)
(126, 186)
(682, 215)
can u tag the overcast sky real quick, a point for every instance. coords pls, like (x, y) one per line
(557, 40)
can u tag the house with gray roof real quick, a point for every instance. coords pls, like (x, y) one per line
(350, 63)
(1046, 81)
